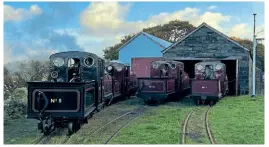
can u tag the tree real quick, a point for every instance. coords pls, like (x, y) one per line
(172, 32)
(29, 71)
(260, 50)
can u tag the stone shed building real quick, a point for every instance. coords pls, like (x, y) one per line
(207, 43)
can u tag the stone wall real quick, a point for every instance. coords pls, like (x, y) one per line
(205, 43)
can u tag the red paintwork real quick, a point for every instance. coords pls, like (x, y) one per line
(124, 81)
(141, 66)
(107, 84)
(152, 85)
(205, 87)
(171, 85)
(167, 80)
(217, 86)
(185, 81)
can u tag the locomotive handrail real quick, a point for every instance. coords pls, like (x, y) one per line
(46, 101)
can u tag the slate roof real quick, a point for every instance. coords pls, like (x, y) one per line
(211, 28)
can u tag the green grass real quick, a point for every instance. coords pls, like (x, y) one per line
(159, 125)
(21, 131)
(238, 120)
(196, 130)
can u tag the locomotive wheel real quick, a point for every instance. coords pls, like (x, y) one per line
(198, 102)
(77, 126)
(46, 132)
(47, 126)
(70, 128)
(86, 120)
(211, 103)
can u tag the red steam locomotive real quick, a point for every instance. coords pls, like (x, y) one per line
(167, 80)
(210, 82)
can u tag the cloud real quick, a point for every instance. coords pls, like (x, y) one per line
(212, 7)
(243, 30)
(108, 19)
(27, 53)
(240, 30)
(89, 42)
(104, 23)
(19, 14)
(36, 38)
(103, 16)
(213, 19)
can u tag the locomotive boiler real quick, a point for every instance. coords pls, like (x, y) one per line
(79, 85)
(167, 81)
(210, 83)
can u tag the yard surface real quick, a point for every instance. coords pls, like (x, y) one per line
(161, 125)
(233, 120)
(238, 120)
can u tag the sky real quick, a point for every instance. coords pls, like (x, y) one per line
(35, 30)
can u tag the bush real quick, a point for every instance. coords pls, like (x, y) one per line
(15, 106)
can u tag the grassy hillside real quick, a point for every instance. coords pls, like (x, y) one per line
(238, 120)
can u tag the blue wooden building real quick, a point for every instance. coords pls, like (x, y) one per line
(142, 45)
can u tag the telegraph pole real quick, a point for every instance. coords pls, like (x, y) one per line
(254, 60)
(255, 40)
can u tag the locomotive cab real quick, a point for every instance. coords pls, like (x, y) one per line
(73, 70)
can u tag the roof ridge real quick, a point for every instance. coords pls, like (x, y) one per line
(149, 37)
(211, 28)
(156, 37)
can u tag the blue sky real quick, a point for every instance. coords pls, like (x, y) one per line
(37, 29)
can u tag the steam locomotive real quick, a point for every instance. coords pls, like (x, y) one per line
(210, 83)
(167, 81)
(79, 84)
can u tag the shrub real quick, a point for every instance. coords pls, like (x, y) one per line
(15, 106)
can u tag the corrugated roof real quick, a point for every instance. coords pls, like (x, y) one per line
(162, 43)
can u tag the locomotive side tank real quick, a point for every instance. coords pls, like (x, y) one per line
(210, 83)
(71, 94)
(168, 81)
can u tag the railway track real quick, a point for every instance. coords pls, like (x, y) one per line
(44, 139)
(206, 122)
(135, 112)
(128, 122)
(39, 140)
(208, 131)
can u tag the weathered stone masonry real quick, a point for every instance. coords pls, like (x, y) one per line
(207, 43)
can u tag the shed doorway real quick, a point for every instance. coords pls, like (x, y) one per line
(189, 67)
(231, 70)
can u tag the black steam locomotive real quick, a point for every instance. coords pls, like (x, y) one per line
(79, 85)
